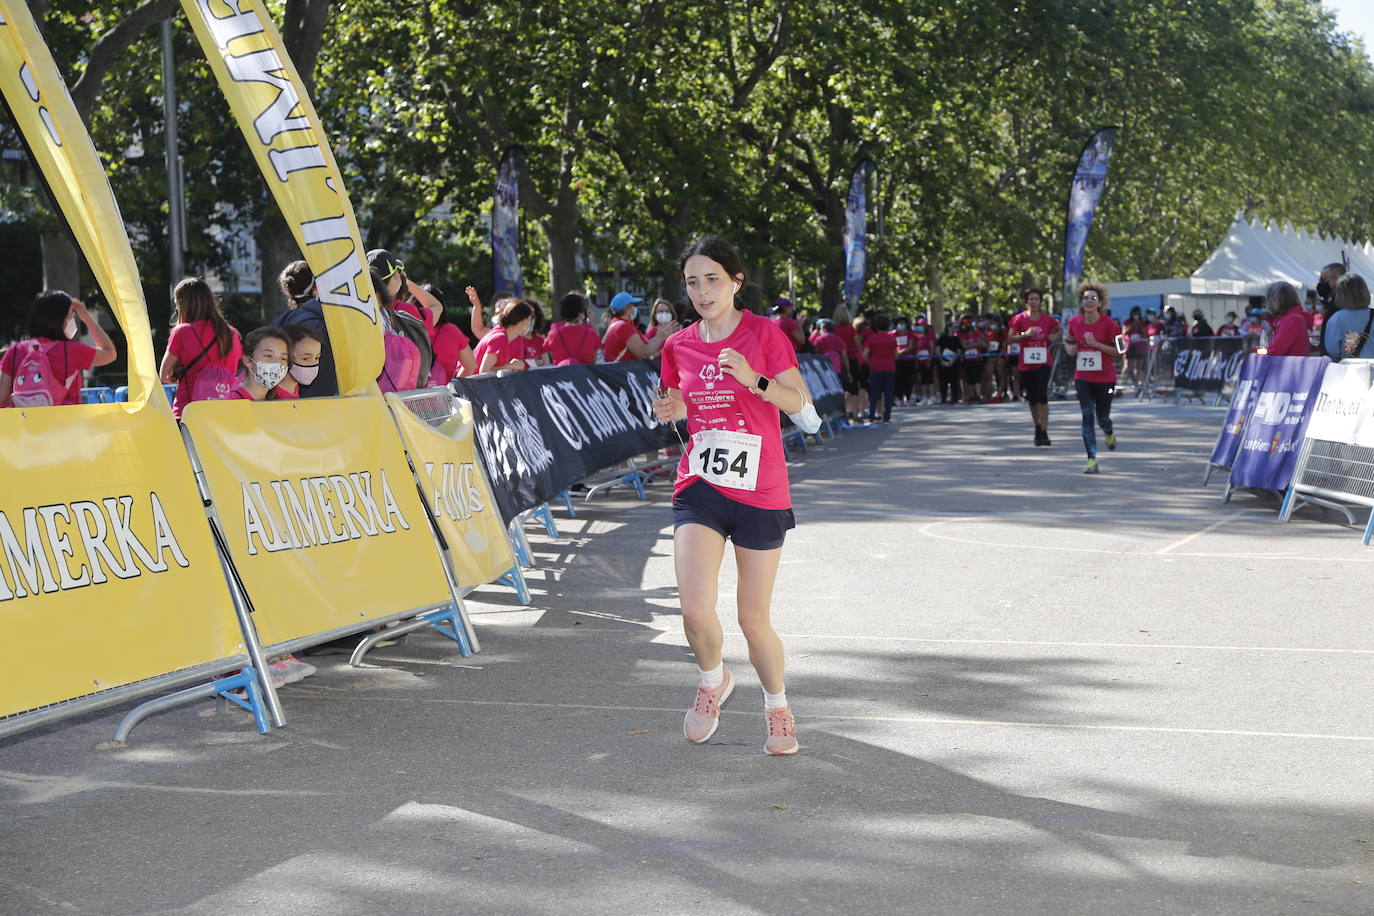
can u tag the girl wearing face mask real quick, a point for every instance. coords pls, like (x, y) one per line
(306, 347)
(664, 316)
(728, 376)
(504, 345)
(265, 363)
(623, 341)
(55, 320)
(201, 339)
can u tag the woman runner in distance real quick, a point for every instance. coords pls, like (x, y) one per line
(1092, 344)
(1035, 332)
(728, 375)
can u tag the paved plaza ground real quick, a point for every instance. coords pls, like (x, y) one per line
(1019, 689)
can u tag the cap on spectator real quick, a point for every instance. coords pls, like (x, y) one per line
(384, 263)
(621, 300)
(780, 303)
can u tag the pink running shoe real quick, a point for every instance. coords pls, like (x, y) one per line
(704, 715)
(782, 732)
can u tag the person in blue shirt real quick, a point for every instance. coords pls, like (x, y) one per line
(1347, 333)
(298, 284)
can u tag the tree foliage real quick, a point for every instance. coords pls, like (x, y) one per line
(648, 121)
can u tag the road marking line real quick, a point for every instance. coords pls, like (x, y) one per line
(329, 693)
(1197, 534)
(927, 530)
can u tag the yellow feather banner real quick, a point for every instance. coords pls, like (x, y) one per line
(62, 149)
(269, 101)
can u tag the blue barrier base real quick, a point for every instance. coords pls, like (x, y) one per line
(224, 689)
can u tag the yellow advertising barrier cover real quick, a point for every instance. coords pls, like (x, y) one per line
(320, 511)
(108, 572)
(446, 461)
(62, 149)
(269, 101)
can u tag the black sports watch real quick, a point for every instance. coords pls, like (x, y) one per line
(762, 383)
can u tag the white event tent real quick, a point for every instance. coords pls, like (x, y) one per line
(1252, 256)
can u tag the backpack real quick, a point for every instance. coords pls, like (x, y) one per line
(401, 365)
(214, 383)
(35, 382)
(414, 330)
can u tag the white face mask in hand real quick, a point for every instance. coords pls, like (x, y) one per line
(269, 375)
(806, 419)
(70, 328)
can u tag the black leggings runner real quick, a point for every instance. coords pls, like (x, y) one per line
(1094, 398)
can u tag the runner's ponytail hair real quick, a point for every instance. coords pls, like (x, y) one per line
(720, 251)
(195, 302)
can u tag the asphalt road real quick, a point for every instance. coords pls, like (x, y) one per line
(1019, 689)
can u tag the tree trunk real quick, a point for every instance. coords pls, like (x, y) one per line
(61, 262)
(562, 238)
(675, 239)
(276, 249)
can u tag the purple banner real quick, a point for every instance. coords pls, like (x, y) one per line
(1252, 374)
(856, 234)
(1268, 449)
(505, 225)
(1089, 179)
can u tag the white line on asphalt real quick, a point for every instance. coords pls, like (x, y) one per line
(928, 530)
(327, 693)
(1167, 548)
(1054, 645)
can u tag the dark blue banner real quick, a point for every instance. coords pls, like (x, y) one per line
(1252, 375)
(1268, 449)
(1089, 179)
(856, 234)
(505, 225)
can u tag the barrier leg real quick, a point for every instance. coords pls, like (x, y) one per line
(1207, 475)
(436, 619)
(566, 499)
(1286, 509)
(545, 514)
(520, 543)
(515, 578)
(246, 679)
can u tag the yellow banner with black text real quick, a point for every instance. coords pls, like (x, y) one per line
(320, 511)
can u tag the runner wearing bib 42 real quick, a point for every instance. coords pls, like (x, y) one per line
(1034, 333)
(729, 375)
(1092, 345)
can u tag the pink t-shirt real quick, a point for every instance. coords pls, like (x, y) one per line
(971, 339)
(716, 401)
(923, 342)
(449, 342)
(882, 351)
(505, 349)
(1023, 323)
(847, 333)
(788, 326)
(414, 311)
(534, 348)
(1104, 330)
(187, 342)
(572, 344)
(67, 358)
(831, 346)
(616, 345)
(1290, 335)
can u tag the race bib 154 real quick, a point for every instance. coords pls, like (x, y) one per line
(727, 459)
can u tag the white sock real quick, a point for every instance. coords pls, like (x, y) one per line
(775, 700)
(714, 677)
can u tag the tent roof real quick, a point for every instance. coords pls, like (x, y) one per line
(1254, 255)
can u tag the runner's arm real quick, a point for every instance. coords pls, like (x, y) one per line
(466, 364)
(672, 408)
(478, 323)
(788, 392)
(105, 347)
(425, 300)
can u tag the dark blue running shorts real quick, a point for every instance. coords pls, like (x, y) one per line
(748, 526)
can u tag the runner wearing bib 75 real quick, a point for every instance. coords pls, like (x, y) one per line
(729, 375)
(1092, 345)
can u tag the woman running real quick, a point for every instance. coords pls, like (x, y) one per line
(1035, 332)
(1092, 344)
(729, 375)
